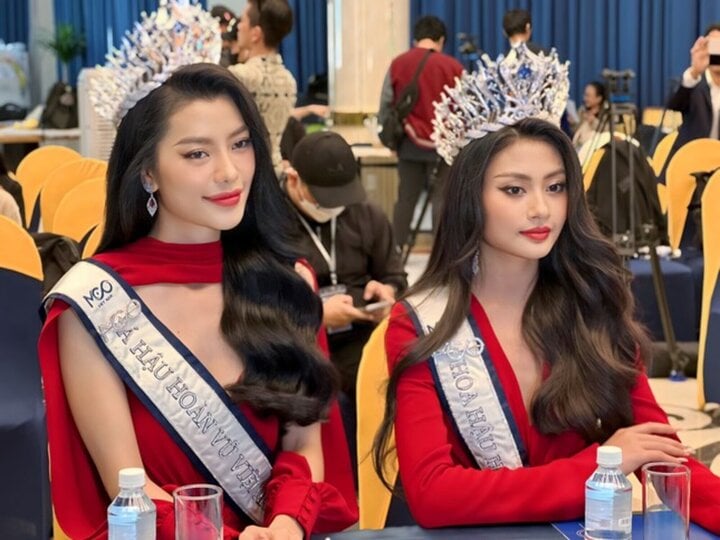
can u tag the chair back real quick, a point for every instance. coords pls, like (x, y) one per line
(662, 151)
(708, 371)
(25, 503)
(80, 209)
(671, 121)
(374, 498)
(591, 166)
(93, 241)
(33, 171)
(63, 179)
(695, 156)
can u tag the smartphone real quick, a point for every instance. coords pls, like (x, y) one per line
(375, 306)
(714, 50)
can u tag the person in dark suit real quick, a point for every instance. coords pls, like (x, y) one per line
(698, 96)
(517, 27)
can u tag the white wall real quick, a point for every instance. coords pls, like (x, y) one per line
(43, 67)
(363, 37)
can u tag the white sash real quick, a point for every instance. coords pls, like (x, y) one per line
(171, 382)
(469, 387)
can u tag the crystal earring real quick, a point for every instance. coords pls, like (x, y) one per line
(151, 204)
(476, 263)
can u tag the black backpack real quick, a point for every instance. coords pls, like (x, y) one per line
(693, 232)
(393, 129)
(61, 109)
(647, 203)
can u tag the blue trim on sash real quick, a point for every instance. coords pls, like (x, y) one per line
(147, 402)
(436, 380)
(500, 391)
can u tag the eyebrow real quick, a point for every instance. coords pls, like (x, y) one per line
(208, 140)
(525, 177)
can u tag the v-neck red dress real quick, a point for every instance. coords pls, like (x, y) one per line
(79, 498)
(442, 483)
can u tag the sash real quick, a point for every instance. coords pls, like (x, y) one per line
(469, 388)
(175, 387)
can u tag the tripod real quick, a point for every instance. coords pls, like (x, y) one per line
(627, 241)
(415, 230)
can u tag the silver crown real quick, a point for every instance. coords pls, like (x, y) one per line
(499, 94)
(177, 34)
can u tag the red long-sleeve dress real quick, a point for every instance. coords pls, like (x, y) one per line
(79, 498)
(444, 487)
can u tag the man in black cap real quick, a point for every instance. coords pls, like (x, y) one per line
(348, 241)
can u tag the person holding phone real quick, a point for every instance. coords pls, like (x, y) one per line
(698, 96)
(348, 241)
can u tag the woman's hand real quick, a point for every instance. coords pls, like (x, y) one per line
(647, 442)
(282, 528)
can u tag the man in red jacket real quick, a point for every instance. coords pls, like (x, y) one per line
(417, 159)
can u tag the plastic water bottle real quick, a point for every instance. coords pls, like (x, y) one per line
(608, 498)
(132, 514)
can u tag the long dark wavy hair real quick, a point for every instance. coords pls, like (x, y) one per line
(270, 314)
(578, 317)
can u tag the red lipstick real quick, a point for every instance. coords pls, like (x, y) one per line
(537, 234)
(230, 198)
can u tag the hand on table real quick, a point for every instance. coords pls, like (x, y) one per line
(647, 442)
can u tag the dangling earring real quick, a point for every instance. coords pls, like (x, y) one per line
(476, 263)
(151, 205)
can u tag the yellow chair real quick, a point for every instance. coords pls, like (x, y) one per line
(662, 197)
(374, 498)
(652, 115)
(93, 241)
(80, 209)
(63, 179)
(695, 156)
(591, 166)
(662, 151)
(18, 251)
(33, 171)
(709, 363)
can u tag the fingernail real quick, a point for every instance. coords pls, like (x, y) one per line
(689, 449)
(682, 460)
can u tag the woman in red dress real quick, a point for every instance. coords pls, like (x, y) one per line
(195, 234)
(516, 354)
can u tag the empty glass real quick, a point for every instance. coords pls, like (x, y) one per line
(198, 512)
(666, 501)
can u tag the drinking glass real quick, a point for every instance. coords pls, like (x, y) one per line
(666, 501)
(198, 512)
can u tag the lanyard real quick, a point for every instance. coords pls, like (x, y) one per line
(330, 258)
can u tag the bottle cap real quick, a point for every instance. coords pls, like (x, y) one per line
(609, 456)
(133, 477)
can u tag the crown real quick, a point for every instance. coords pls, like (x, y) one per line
(499, 94)
(177, 34)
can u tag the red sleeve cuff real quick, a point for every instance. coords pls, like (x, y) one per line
(291, 491)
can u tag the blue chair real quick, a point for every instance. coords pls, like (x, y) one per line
(25, 512)
(709, 345)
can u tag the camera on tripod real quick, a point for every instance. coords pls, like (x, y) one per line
(618, 84)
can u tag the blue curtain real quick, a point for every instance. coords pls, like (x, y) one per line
(304, 50)
(15, 21)
(651, 37)
(102, 23)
